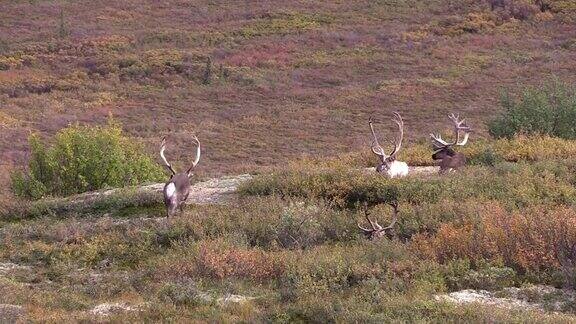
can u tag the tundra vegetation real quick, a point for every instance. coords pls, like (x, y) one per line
(290, 242)
(84, 159)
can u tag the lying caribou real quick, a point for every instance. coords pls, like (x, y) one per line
(377, 231)
(388, 164)
(177, 189)
(443, 151)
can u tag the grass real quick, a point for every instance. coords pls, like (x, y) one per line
(302, 261)
(480, 152)
(291, 242)
(313, 74)
(291, 87)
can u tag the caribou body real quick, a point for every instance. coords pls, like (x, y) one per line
(177, 189)
(388, 164)
(444, 151)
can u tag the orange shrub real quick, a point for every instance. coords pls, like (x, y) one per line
(235, 262)
(538, 239)
(219, 260)
(452, 241)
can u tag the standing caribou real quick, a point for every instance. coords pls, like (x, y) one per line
(177, 189)
(388, 163)
(443, 151)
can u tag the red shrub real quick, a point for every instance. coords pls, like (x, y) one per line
(538, 239)
(234, 262)
(279, 55)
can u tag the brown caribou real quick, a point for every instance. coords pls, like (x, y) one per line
(444, 151)
(177, 189)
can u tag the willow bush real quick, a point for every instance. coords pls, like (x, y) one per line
(83, 158)
(546, 110)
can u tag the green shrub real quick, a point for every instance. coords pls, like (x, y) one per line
(478, 152)
(425, 203)
(486, 157)
(182, 292)
(550, 182)
(82, 159)
(547, 110)
(489, 278)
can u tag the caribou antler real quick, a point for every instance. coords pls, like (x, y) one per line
(195, 162)
(377, 230)
(398, 120)
(438, 142)
(378, 150)
(459, 125)
(166, 163)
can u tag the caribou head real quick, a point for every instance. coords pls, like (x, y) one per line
(177, 189)
(377, 231)
(388, 164)
(444, 151)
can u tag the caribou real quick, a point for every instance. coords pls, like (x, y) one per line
(388, 163)
(177, 189)
(444, 152)
(377, 231)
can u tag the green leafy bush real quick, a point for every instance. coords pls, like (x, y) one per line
(82, 159)
(547, 110)
(530, 149)
(550, 182)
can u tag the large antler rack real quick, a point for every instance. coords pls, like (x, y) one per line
(459, 126)
(377, 231)
(166, 163)
(378, 150)
(169, 166)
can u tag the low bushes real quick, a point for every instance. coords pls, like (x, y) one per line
(269, 223)
(562, 6)
(539, 241)
(550, 182)
(186, 265)
(492, 217)
(219, 260)
(328, 269)
(478, 152)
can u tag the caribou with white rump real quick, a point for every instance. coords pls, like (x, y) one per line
(388, 164)
(377, 231)
(443, 151)
(177, 189)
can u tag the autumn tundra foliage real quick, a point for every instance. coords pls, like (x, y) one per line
(304, 242)
(284, 90)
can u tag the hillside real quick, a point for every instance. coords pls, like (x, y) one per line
(480, 245)
(279, 94)
(287, 78)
